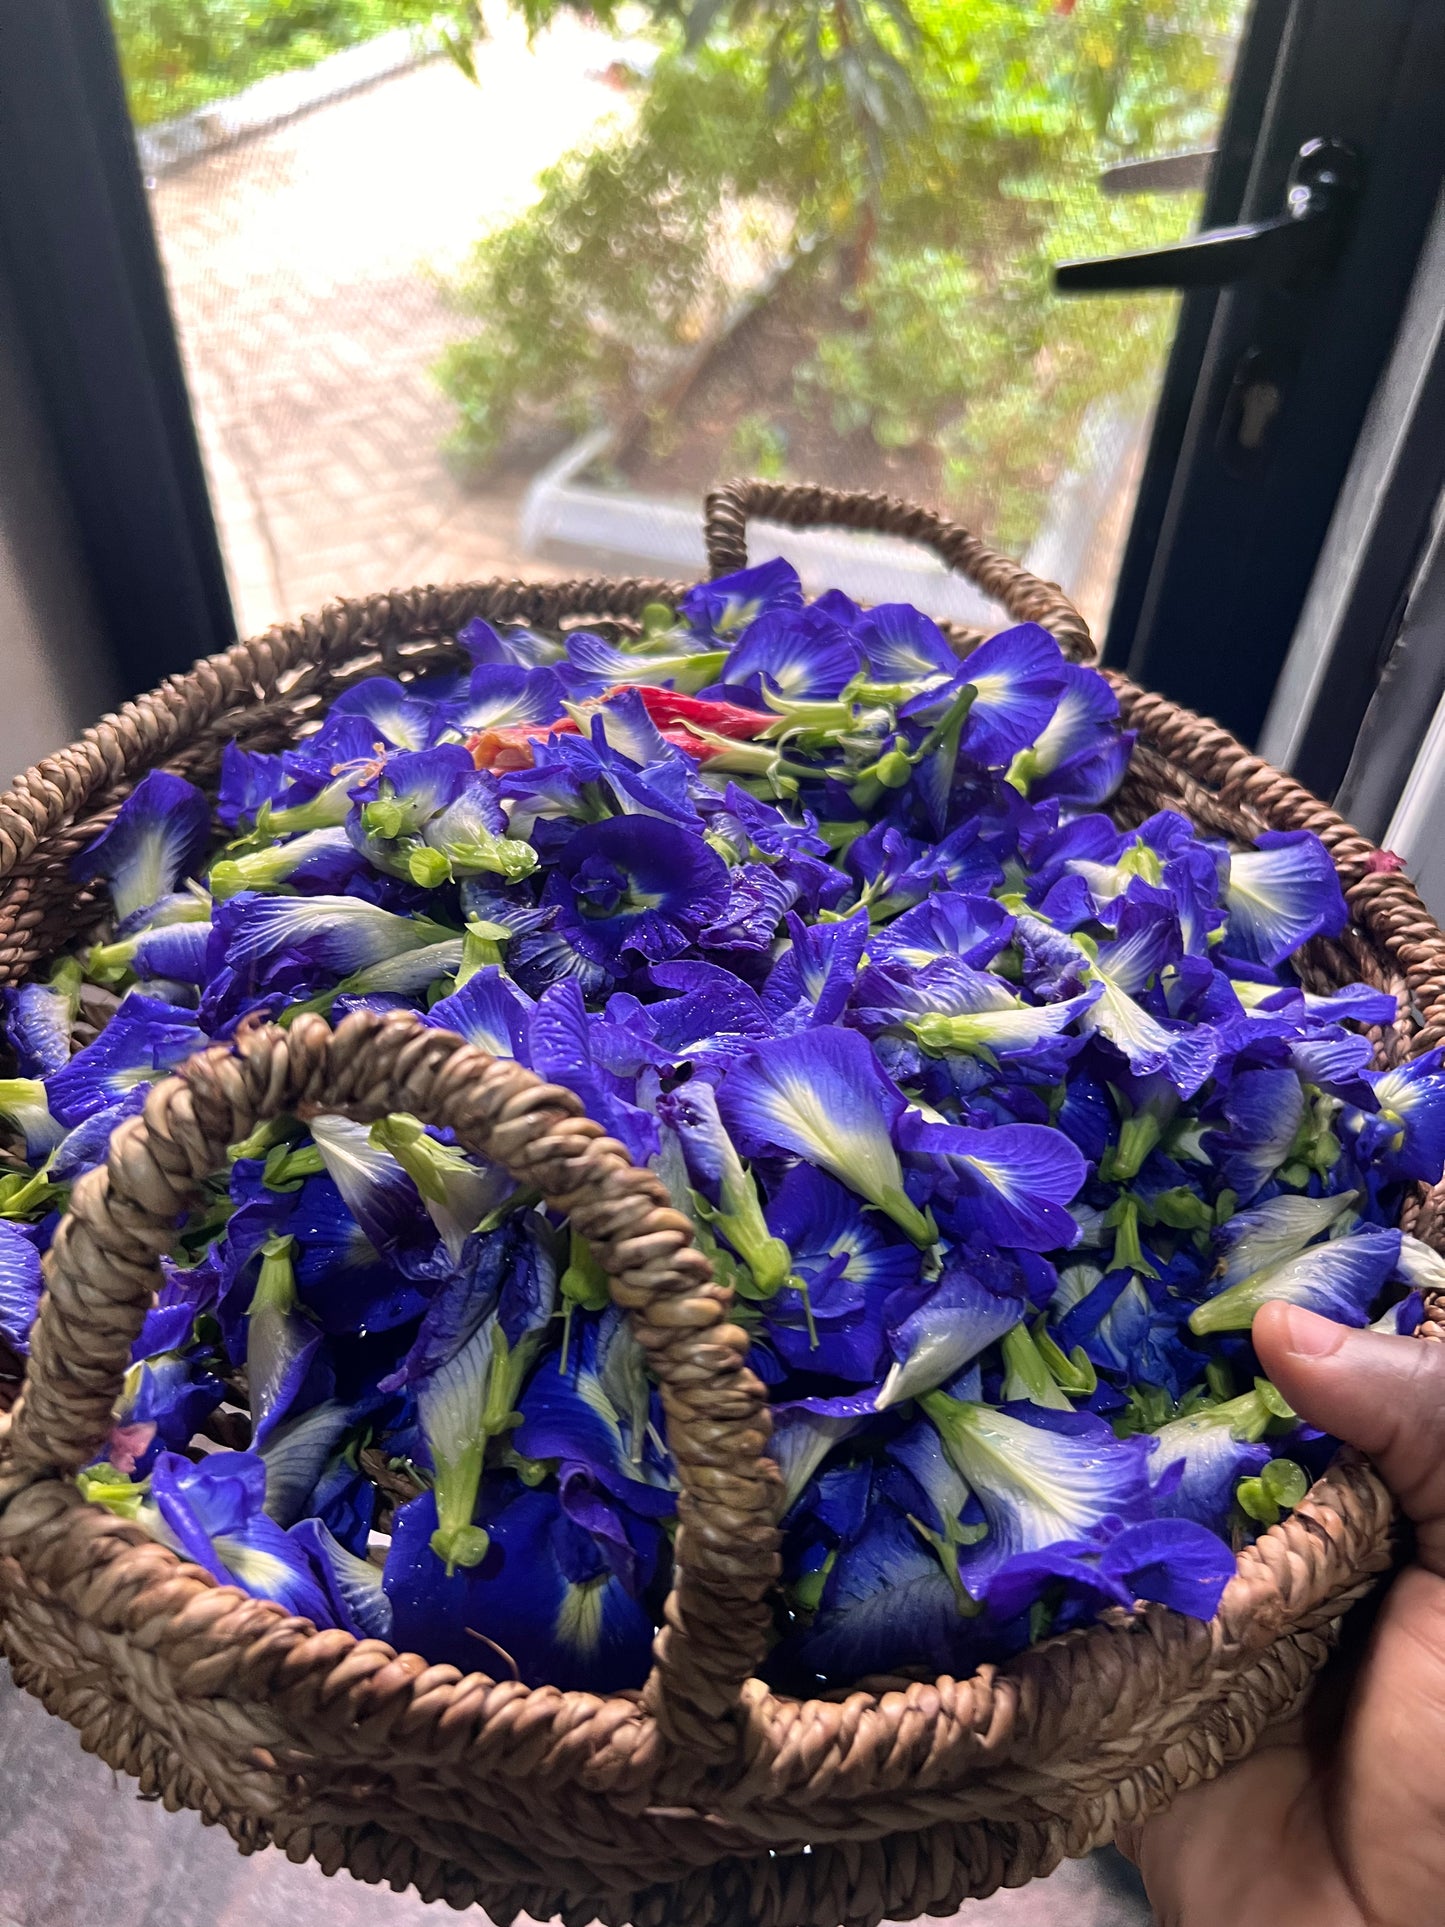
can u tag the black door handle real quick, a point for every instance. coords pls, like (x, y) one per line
(1291, 250)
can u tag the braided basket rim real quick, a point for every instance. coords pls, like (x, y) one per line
(995, 1777)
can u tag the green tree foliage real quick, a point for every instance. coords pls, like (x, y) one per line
(926, 165)
(177, 55)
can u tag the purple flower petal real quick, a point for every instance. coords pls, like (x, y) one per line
(1173, 1561)
(1281, 893)
(159, 836)
(799, 653)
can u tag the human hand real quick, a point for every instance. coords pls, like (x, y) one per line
(1344, 1828)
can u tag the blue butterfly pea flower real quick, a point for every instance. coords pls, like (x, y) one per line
(286, 1367)
(813, 977)
(1263, 1112)
(935, 1330)
(1200, 1459)
(540, 1605)
(593, 664)
(720, 610)
(822, 1095)
(1128, 1325)
(950, 1007)
(712, 1013)
(1405, 1138)
(1081, 754)
(214, 1515)
(296, 1455)
(1340, 1278)
(1172, 1561)
(539, 955)
(729, 1197)
(949, 927)
(38, 1018)
(635, 884)
(24, 1105)
(1280, 894)
(326, 935)
(757, 901)
(514, 645)
(1355, 1003)
(1012, 1183)
(466, 1368)
(611, 1480)
(21, 1285)
(902, 645)
(143, 1040)
(1124, 970)
(400, 717)
(886, 1604)
(248, 779)
(353, 1588)
(802, 654)
(342, 1279)
(392, 808)
(316, 862)
(164, 1402)
(1017, 678)
(560, 1048)
(805, 1431)
(489, 1011)
(1042, 1477)
(501, 695)
(381, 1200)
(159, 836)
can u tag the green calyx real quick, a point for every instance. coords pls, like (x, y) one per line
(482, 854)
(457, 1541)
(276, 1282)
(740, 1219)
(428, 868)
(1316, 1149)
(264, 1139)
(1138, 1136)
(1122, 1218)
(432, 1167)
(101, 1486)
(584, 1282)
(287, 1167)
(460, 1546)
(1026, 1372)
(482, 944)
(24, 1198)
(1072, 1371)
(1277, 1489)
(805, 1594)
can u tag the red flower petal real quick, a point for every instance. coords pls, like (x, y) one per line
(668, 709)
(1383, 863)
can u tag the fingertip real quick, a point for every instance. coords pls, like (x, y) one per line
(1284, 1332)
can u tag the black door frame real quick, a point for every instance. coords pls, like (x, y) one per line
(1224, 543)
(79, 254)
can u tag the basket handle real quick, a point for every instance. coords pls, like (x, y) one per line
(1025, 597)
(104, 1266)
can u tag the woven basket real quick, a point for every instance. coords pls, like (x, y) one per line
(704, 1800)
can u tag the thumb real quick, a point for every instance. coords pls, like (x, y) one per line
(1385, 1395)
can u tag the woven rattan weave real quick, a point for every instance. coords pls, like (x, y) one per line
(704, 1800)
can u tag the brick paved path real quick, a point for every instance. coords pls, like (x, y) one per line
(305, 268)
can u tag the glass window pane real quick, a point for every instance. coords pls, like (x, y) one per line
(442, 326)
